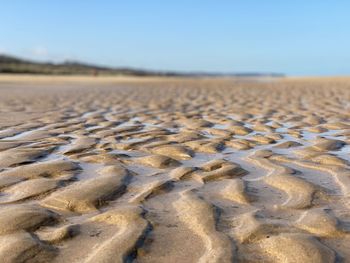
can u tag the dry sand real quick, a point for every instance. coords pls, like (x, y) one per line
(174, 170)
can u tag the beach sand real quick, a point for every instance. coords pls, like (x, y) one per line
(174, 170)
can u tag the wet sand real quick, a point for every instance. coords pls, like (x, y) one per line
(174, 170)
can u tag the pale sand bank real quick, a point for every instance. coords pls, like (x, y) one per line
(174, 170)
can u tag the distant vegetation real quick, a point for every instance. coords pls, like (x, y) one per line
(9, 64)
(13, 65)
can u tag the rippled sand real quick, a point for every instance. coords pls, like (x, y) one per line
(170, 170)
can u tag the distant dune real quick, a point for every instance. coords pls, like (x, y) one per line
(14, 65)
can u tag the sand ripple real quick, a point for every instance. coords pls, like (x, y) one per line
(175, 171)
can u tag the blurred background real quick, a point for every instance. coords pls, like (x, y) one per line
(296, 38)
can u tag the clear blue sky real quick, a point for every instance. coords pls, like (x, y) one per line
(296, 37)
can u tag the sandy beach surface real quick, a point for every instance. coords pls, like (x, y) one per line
(174, 170)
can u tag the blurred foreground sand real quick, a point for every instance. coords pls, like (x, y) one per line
(174, 170)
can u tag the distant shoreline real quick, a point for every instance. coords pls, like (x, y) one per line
(23, 79)
(14, 65)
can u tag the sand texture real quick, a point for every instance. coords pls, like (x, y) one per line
(174, 170)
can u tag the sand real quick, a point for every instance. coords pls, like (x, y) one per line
(174, 170)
